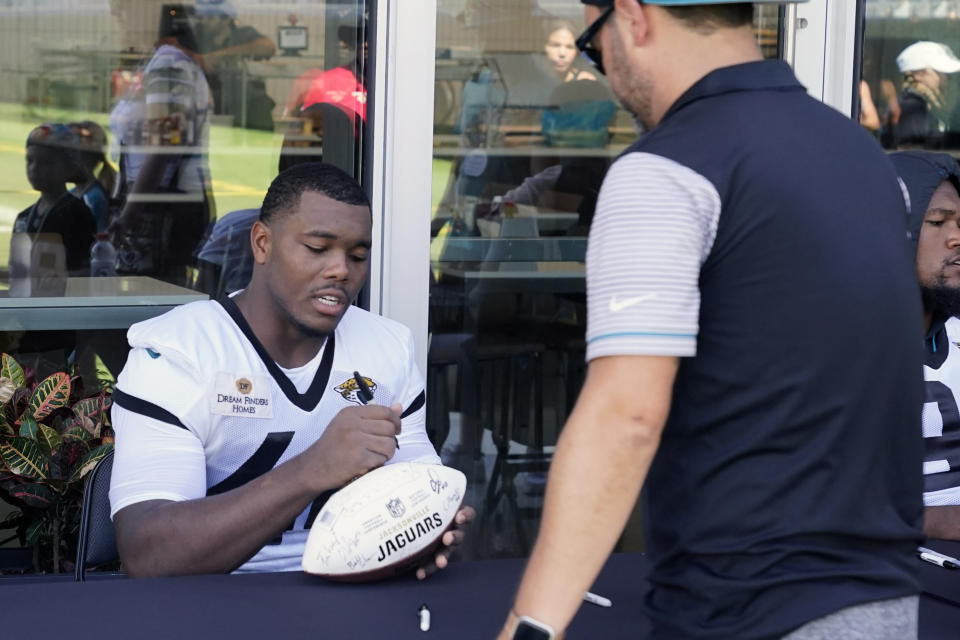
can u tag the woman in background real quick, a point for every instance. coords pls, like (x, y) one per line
(562, 54)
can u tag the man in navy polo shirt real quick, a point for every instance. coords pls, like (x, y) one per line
(751, 333)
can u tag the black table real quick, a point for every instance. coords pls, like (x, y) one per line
(940, 600)
(467, 600)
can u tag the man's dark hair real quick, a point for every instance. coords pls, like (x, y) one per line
(176, 21)
(708, 18)
(284, 193)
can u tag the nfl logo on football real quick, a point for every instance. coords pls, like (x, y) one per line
(396, 508)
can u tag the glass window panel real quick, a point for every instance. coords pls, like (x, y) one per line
(524, 131)
(909, 88)
(160, 124)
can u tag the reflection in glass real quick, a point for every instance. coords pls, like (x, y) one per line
(53, 159)
(161, 123)
(523, 135)
(162, 129)
(908, 93)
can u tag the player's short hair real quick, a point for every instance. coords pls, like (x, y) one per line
(284, 193)
(708, 18)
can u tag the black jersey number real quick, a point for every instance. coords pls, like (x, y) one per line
(263, 460)
(947, 446)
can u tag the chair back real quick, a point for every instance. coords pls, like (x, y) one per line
(97, 543)
(228, 254)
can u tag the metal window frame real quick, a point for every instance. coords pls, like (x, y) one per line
(402, 164)
(821, 43)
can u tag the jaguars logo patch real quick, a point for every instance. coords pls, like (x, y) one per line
(349, 389)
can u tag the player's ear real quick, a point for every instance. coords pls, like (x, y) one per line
(261, 241)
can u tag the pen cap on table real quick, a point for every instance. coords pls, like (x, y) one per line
(384, 523)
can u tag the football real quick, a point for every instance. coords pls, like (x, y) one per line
(384, 523)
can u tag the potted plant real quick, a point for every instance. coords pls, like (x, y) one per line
(51, 435)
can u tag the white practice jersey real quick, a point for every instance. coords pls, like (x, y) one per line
(941, 418)
(201, 408)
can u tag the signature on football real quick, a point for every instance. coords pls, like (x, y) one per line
(436, 484)
(452, 498)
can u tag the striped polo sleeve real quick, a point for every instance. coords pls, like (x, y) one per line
(655, 224)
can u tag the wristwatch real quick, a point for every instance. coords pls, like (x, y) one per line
(529, 629)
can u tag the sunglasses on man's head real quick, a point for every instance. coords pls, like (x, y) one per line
(585, 41)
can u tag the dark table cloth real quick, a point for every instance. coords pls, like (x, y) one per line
(467, 600)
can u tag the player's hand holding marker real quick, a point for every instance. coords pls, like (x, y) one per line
(455, 534)
(365, 395)
(357, 440)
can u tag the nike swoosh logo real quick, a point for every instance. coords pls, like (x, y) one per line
(620, 305)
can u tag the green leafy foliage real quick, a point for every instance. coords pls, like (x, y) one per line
(6, 429)
(23, 458)
(88, 407)
(89, 461)
(11, 369)
(50, 439)
(29, 427)
(35, 495)
(50, 395)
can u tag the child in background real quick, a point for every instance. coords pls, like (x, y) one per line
(52, 161)
(93, 187)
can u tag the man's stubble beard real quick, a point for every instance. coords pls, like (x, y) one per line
(941, 298)
(303, 329)
(631, 86)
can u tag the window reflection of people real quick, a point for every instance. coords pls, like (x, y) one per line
(562, 54)
(226, 258)
(224, 48)
(192, 491)
(331, 106)
(343, 86)
(162, 131)
(579, 116)
(97, 177)
(508, 97)
(52, 161)
(933, 182)
(869, 118)
(924, 102)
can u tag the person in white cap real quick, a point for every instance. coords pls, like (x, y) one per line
(926, 67)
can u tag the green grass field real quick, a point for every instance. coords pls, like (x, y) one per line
(242, 164)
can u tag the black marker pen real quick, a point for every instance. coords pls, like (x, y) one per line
(365, 395)
(934, 557)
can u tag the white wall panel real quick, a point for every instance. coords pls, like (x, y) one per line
(402, 170)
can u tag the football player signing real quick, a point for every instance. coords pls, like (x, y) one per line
(237, 418)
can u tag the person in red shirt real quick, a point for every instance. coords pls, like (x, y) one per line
(343, 86)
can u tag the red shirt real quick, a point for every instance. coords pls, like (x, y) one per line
(339, 87)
